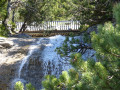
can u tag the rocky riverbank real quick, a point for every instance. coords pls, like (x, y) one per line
(12, 51)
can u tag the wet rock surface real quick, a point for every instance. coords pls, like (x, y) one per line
(12, 51)
(5, 45)
(33, 71)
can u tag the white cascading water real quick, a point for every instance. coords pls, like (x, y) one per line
(32, 49)
(52, 59)
(51, 63)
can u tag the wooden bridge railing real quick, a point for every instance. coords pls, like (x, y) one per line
(51, 25)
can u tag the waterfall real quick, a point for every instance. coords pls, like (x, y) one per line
(42, 60)
(51, 59)
(32, 49)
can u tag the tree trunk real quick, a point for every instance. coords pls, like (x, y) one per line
(24, 26)
(13, 26)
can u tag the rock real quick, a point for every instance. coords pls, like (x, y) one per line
(12, 51)
(5, 45)
(91, 29)
(1, 40)
(1, 47)
(33, 70)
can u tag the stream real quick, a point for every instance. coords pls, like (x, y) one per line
(42, 60)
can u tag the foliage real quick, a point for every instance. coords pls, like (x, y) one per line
(29, 87)
(30, 11)
(57, 9)
(3, 32)
(69, 45)
(92, 12)
(92, 75)
(3, 12)
(72, 45)
(45, 10)
(19, 86)
(2, 9)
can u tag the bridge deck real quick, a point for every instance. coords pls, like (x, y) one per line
(43, 33)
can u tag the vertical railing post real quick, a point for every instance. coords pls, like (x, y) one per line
(65, 25)
(60, 24)
(42, 25)
(77, 25)
(56, 25)
(72, 25)
(48, 25)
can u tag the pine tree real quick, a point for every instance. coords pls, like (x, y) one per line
(4, 13)
(92, 12)
(103, 74)
(19, 86)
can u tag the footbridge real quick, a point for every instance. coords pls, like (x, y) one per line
(52, 28)
(45, 33)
